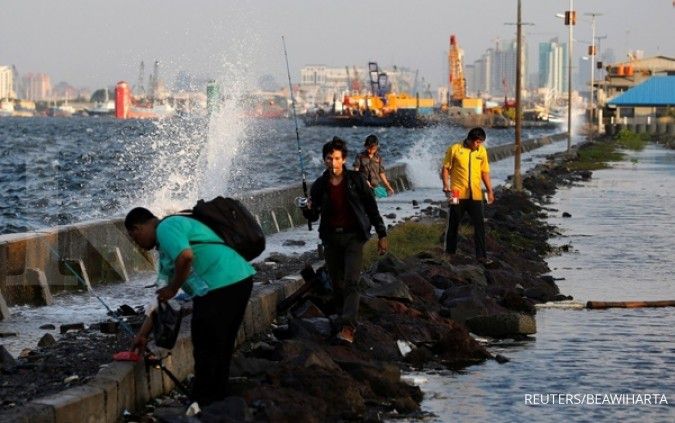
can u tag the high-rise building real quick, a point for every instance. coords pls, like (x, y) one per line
(553, 66)
(7, 82)
(37, 87)
(494, 73)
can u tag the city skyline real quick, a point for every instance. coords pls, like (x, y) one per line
(96, 44)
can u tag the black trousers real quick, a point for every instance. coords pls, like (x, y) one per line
(344, 256)
(475, 211)
(216, 318)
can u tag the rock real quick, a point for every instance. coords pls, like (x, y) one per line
(389, 263)
(419, 287)
(7, 334)
(464, 308)
(126, 310)
(536, 293)
(503, 325)
(109, 327)
(307, 310)
(389, 286)
(390, 216)
(231, 409)
(514, 301)
(249, 366)
(501, 359)
(415, 203)
(293, 243)
(7, 362)
(313, 328)
(565, 214)
(72, 378)
(46, 340)
(48, 326)
(73, 326)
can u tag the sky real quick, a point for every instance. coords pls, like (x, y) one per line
(96, 43)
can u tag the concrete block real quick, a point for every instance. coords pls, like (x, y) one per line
(14, 255)
(248, 324)
(109, 388)
(113, 268)
(4, 310)
(122, 373)
(36, 281)
(77, 271)
(29, 413)
(141, 386)
(503, 325)
(76, 405)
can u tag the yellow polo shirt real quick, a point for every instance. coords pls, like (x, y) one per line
(466, 167)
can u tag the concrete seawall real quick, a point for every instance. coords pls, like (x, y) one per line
(100, 251)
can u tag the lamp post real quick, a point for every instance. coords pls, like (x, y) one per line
(591, 52)
(570, 21)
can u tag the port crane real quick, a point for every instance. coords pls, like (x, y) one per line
(456, 81)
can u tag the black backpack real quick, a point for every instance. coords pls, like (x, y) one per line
(233, 223)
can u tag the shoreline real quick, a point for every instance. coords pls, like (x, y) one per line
(441, 342)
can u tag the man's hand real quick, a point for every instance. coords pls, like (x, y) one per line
(382, 246)
(166, 293)
(138, 345)
(490, 197)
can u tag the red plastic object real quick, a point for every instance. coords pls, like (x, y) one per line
(126, 356)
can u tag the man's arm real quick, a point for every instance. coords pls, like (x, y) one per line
(183, 266)
(485, 176)
(445, 177)
(385, 182)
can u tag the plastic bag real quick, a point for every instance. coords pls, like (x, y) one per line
(166, 323)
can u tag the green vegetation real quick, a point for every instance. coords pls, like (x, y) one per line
(595, 156)
(630, 140)
(405, 240)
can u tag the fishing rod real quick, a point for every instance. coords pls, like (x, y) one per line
(297, 132)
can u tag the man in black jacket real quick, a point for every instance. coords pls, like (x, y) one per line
(348, 209)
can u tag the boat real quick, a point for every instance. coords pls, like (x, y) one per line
(102, 108)
(401, 117)
(380, 107)
(6, 108)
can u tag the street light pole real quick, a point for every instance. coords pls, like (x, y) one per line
(592, 54)
(570, 20)
(517, 179)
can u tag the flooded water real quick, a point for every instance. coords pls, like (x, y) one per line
(622, 233)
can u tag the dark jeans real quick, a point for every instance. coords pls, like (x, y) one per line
(344, 256)
(216, 318)
(475, 211)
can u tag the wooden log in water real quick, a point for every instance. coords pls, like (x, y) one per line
(598, 305)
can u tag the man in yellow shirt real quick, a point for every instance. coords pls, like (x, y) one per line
(464, 167)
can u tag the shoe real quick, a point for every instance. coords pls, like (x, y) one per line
(346, 334)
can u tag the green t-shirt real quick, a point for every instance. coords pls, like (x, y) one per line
(214, 265)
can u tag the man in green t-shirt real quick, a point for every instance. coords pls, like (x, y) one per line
(194, 258)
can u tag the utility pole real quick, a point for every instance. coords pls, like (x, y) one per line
(592, 52)
(570, 20)
(517, 178)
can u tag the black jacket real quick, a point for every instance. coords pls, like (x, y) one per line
(360, 198)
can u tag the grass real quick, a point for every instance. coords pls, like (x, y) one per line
(630, 140)
(596, 156)
(405, 240)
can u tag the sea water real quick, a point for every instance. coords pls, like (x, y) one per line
(582, 363)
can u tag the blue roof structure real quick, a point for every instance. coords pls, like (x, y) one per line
(657, 91)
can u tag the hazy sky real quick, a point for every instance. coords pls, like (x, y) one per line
(95, 42)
